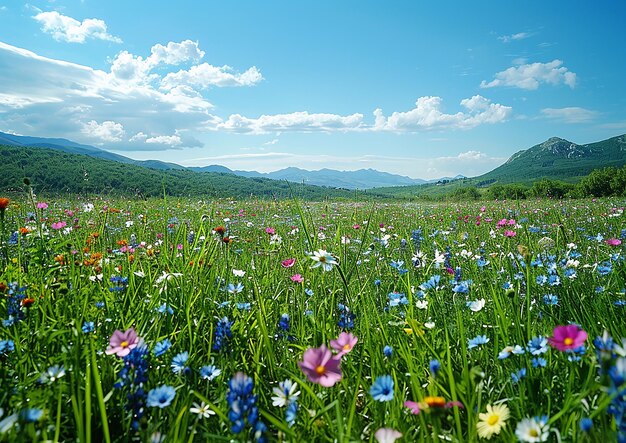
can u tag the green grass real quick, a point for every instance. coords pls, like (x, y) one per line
(176, 269)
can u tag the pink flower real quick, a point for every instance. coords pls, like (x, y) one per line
(387, 435)
(288, 263)
(414, 407)
(344, 343)
(59, 225)
(42, 205)
(321, 366)
(613, 242)
(566, 338)
(297, 278)
(510, 233)
(270, 231)
(356, 226)
(121, 343)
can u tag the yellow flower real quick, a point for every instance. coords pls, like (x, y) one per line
(492, 421)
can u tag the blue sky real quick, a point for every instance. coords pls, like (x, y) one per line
(424, 89)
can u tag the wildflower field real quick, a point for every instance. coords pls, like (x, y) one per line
(187, 320)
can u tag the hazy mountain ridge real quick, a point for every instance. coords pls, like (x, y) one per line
(359, 179)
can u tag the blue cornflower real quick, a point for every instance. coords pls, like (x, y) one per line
(7, 346)
(539, 362)
(165, 309)
(161, 347)
(538, 345)
(31, 415)
(179, 363)
(541, 280)
(434, 367)
(382, 389)
(517, 376)
(52, 374)
(461, 287)
(477, 341)
(235, 289)
(377, 282)
(88, 327)
(481, 262)
(554, 280)
(585, 424)
(99, 304)
(396, 299)
(388, 351)
(209, 372)
(550, 299)
(308, 291)
(604, 269)
(244, 306)
(432, 283)
(291, 413)
(161, 397)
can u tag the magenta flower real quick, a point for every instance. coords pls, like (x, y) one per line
(270, 231)
(566, 338)
(59, 225)
(297, 278)
(510, 233)
(288, 263)
(42, 205)
(321, 366)
(121, 343)
(344, 343)
(613, 242)
(414, 407)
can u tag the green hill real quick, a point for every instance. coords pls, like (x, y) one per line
(53, 171)
(554, 159)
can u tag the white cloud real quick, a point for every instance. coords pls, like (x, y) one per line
(140, 136)
(570, 115)
(530, 76)
(171, 140)
(68, 29)
(108, 131)
(428, 115)
(206, 75)
(513, 37)
(130, 68)
(296, 121)
(51, 97)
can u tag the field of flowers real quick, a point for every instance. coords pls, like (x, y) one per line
(180, 320)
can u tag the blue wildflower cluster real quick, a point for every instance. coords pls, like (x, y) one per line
(612, 359)
(284, 324)
(15, 295)
(417, 237)
(346, 317)
(119, 283)
(133, 377)
(6, 346)
(242, 407)
(223, 334)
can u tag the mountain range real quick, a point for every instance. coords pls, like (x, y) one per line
(360, 179)
(556, 159)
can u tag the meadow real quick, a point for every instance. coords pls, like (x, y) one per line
(188, 320)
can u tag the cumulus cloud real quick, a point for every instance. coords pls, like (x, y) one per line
(68, 29)
(108, 131)
(56, 98)
(296, 121)
(206, 75)
(171, 140)
(513, 37)
(530, 76)
(570, 115)
(428, 115)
